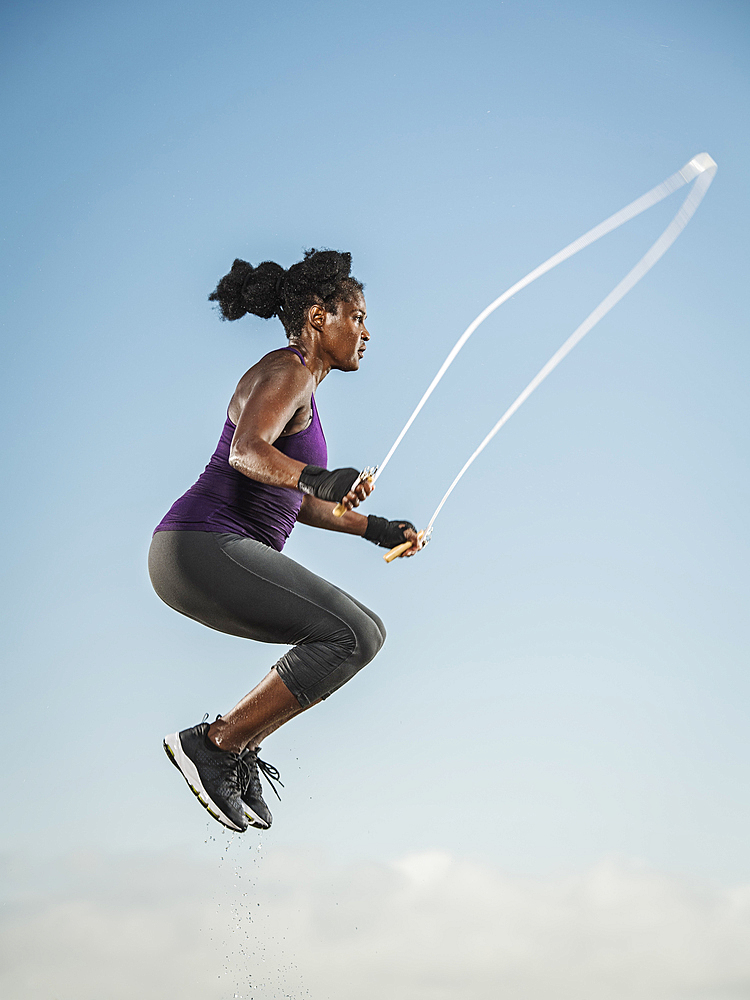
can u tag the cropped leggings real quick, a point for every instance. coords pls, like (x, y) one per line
(240, 586)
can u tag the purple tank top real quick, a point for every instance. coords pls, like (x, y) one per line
(225, 500)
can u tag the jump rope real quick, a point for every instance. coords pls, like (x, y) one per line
(701, 169)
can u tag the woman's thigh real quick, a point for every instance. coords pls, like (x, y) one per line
(240, 586)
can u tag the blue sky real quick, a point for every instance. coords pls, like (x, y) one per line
(565, 678)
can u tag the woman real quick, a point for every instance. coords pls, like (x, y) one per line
(216, 556)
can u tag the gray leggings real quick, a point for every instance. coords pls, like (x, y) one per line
(237, 585)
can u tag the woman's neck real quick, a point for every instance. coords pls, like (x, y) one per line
(306, 344)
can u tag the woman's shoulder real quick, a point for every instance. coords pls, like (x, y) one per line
(281, 363)
(277, 371)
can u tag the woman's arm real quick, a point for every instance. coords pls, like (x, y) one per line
(276, 392)
(277, 395)
(319, 514)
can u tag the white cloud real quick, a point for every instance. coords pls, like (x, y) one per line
(429, 927)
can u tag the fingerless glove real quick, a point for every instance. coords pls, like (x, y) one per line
(386, 533)
(327, 485)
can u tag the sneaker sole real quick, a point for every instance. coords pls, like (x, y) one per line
(253, 818)
(189, 772)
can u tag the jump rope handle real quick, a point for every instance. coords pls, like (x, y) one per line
(399, 550)
(369, 473)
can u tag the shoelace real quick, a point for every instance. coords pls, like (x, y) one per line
(239, 772)
(241, 775)
(270, 773)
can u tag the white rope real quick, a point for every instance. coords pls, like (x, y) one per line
(702, 167)
(707, 169)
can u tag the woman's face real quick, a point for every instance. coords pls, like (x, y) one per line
(345, 334)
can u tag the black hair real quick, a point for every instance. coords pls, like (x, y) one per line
(268, 290)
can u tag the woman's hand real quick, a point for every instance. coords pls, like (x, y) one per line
(412, 535)
(330, 485)
(389, 534)
(358, 493)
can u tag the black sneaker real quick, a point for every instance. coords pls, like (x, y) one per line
(216, 777)
(256, 810)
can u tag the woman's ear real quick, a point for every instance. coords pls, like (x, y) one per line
(316, 317)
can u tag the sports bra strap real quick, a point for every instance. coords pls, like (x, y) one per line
(294, 349)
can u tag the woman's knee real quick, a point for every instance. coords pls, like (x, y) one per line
(380, 627)
(370, 635)
(313, 670)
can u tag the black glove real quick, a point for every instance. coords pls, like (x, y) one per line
(327, 485)
(386, 533)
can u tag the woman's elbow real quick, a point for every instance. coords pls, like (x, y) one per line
(243, 461)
